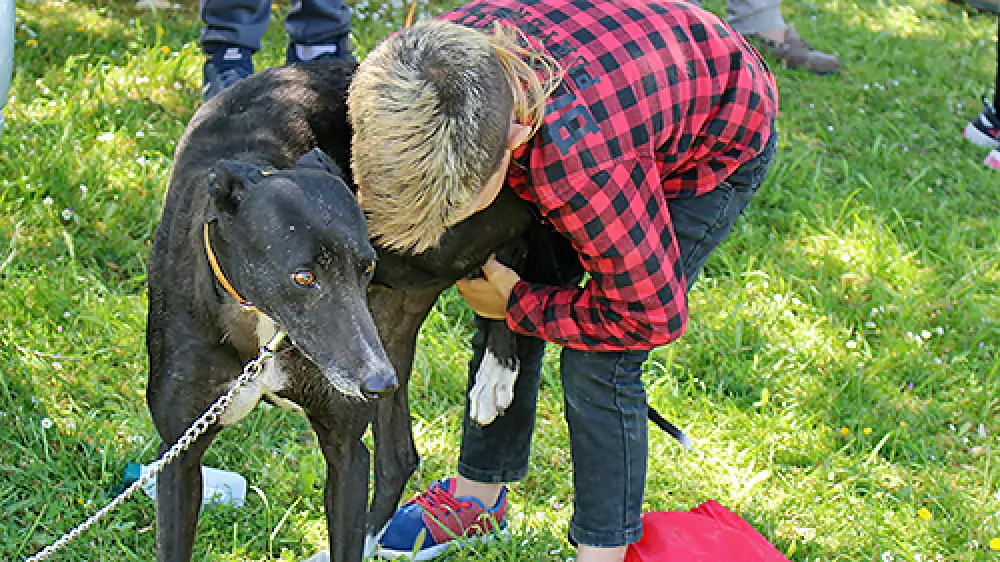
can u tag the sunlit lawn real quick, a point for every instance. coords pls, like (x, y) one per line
(840, 375)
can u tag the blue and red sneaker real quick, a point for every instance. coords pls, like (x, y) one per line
(426, 526)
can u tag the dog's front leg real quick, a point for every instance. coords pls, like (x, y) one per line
(398, 315)
(346, 493)
(178, 501)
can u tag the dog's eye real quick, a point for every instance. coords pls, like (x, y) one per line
(370, 271)
(304, 278)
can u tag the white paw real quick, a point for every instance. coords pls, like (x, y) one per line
(493, 391)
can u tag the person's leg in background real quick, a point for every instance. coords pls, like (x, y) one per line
(231, 33)
(318, 29)
(989, 114)
(984, 130)
(761, 22)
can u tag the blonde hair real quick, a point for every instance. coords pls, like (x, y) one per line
(430, 110)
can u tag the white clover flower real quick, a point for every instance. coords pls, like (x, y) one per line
(46, 423)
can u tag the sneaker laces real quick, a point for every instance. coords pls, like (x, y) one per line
(438, 500)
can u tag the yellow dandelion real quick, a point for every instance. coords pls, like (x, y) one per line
(867, 430)
(902, 424)
(31, 43)
(995, 543)
(159, 30)
(924, 514)
(80, 28)
(275, 7)
(845, 431)
(165, 50)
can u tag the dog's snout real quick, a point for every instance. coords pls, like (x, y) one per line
(378, 385)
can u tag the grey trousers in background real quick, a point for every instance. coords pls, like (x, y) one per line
(243, 22)
(752, 16)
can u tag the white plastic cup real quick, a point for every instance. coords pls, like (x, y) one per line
(218, 486)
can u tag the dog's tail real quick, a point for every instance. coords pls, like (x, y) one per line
(670, 428)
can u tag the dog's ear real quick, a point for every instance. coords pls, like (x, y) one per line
(227, 184)
(316, 158)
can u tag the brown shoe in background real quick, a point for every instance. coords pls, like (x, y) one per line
(795, 53)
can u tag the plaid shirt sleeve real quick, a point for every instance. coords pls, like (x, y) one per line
(661, 100)
(635, 296)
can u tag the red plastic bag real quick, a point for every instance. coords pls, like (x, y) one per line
(707, 533)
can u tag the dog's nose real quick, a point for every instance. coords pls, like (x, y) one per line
(376, 386)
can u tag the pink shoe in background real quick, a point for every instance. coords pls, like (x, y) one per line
(993, 159)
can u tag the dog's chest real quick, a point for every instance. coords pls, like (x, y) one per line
(271, 380)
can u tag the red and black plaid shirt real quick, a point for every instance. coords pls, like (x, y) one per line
(661, 100)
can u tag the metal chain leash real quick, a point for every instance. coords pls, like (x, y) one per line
(250, 372)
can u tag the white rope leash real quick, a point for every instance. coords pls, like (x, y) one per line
(250, 372)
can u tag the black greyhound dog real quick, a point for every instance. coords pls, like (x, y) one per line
(249, 219)
(256, 212)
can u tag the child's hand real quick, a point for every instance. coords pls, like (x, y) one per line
(489, 296)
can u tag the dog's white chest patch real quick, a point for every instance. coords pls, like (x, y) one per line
(270, 381)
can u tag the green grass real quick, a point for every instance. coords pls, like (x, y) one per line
(840, 373)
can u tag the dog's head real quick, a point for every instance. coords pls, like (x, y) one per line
(295, 244)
